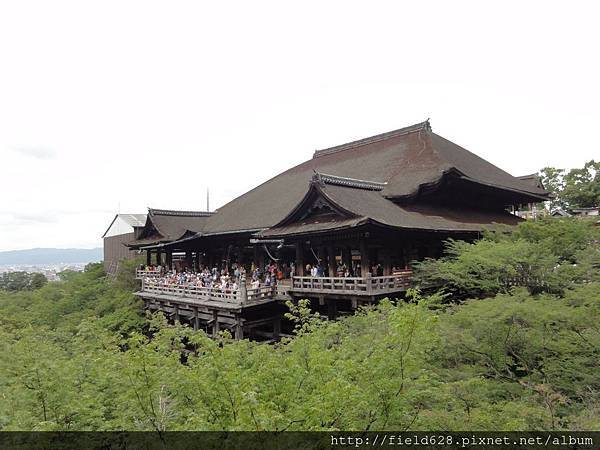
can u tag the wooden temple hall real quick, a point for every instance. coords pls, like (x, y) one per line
(361, 212)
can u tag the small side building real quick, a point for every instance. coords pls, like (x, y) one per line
(122, 230)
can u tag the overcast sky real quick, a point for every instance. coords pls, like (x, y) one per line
(120, 105)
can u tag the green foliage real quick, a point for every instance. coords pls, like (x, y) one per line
(79, 355)
(543, 256)
(125, 278)
(578, 188)
(22, 281)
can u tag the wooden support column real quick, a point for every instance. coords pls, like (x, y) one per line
(260, 257)
(188, 259)
(240, 253)
(322, 257)
(148, 257)
(158, 257)
(347, 258)
(299, 259)
(331, 262)
(239, 329)
(176, 314)
(169, 259)
(196, 319)
(364, 258)
(386, 256)
(215, 325)
(243, 291)
(276, 328)
(331, 308)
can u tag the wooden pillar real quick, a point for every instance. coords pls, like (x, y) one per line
(176, 314)
(148, 257)
(364, 258)
(331, 262)
(386, 256)
(260, 257)
(158, 257)
(347, 258)
(215, 325)
(243, 291)
(240, 254)
(322, 257)
(169, 259)
(276, 328)
(299, 259)
(239, 329)
(196, 319)
(331, 308)
(188, 259)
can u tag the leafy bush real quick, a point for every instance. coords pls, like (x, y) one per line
(545, 256)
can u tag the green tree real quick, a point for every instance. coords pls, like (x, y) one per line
(582, 186)
(553, 181)
(577, 188)
(20, 281)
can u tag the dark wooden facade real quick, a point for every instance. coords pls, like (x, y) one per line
(372, 206)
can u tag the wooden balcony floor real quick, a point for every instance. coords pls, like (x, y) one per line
(208, 303)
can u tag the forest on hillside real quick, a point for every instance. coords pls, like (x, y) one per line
(511, 342)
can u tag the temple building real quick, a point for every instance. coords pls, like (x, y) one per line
(121, 231)
(362, 212)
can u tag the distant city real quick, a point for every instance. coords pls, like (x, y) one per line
(50, 271)
(48, 261)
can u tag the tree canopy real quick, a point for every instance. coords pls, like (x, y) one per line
(20, 281)
(577, 188)
(79, 354)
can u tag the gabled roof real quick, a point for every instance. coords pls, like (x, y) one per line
(534, 179)
(133, 220)
(166, 225)
(401, 162)
(173, 225)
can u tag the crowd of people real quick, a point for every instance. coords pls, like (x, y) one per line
(230, 277)
(223, 278)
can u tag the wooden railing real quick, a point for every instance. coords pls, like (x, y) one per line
(353, 285)
(140, 274)
(240, 296)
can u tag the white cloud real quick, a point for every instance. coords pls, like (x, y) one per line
(135, 104)
(36, 152)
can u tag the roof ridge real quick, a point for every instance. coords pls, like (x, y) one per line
(348, 182)
(172, 212)
(376, 138)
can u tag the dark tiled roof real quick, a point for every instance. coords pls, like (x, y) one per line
(532, 179)
(174, 224)
(371, 206)
(168, 225)
(398, 162)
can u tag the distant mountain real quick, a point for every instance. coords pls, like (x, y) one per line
(51, 256)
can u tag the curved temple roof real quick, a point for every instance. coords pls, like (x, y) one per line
(377, 179)
(398, 163)
(358, 206)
